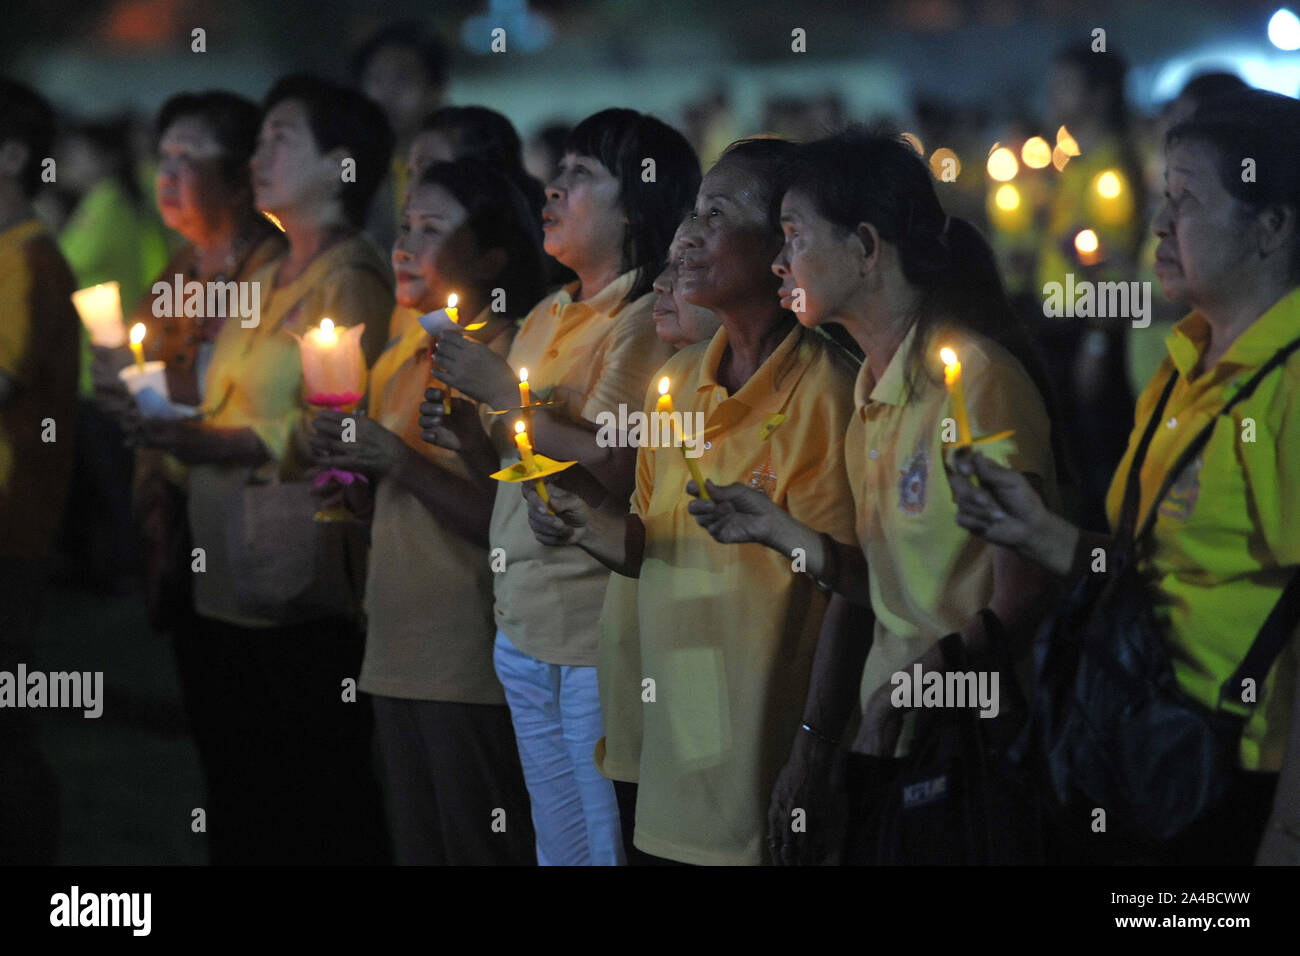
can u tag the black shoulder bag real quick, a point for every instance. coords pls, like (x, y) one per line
(1110, 726)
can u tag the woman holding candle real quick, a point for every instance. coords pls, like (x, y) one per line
(279, 737)
(441, 720)
(1225, 539)
(868, 246)
(726, 634)
(588, 348)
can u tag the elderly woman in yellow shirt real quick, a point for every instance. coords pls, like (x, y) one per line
(286, 761)
(1226, 540)
(726, 634)
(454, 786)
(868, 246)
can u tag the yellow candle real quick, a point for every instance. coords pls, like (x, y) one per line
(523, 387)
(530, 463)
(952, 378)
(665, 406)
(452, 311)
(137, 344)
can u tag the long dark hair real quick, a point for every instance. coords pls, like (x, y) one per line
(622, 140)
(874, 175)
(499, 216)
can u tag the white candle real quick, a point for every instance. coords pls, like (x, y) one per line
(100, 308)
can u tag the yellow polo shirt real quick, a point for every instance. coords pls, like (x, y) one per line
(1227, 536)
(728, 631)
(428, 591)
(255, 381)
(618, 672)
(590, 356)
(928, 575)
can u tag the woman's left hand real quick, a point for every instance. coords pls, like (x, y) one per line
(373, 449)
(476, 370)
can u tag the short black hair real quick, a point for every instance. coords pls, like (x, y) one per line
(500, 217)
(231, 119)
(408, 35)
(477, 131)
(1206, 85)
(27, 117)
(622, 139)
(340, 116)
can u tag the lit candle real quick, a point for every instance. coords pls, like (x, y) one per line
(665, 406)
(137, 344)
(523, 387)
(952, 378)
(333, 368)
(100, 308)
(453, 313)
(530, 463)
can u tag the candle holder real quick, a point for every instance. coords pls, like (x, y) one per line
(333, 377)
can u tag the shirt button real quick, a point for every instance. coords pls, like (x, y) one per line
(708, 445)
(1172, 423)
(873, 454)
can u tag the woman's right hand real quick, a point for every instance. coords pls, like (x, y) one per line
(735, 513)
(1003, 508)
(561, 522)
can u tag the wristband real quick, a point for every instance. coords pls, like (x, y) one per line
(830, 574)
(819, 735)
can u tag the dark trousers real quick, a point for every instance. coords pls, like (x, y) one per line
(29, 790)
(455, 789)
(288, 760)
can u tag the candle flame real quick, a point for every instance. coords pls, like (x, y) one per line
(949, 356)
(452, 300)
(523, 375)
(519, 427)
(663, 385)
(1086, 241)
(327, 325)
(137, 333)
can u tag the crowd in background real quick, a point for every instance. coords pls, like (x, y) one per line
(504, 715)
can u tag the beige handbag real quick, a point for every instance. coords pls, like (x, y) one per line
(293, 568)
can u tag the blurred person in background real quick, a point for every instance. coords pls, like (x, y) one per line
(109, 237)
(443, 728)
(290, 778)
(1099, 190)
(39, 357)
(545, 149)
(403, 68)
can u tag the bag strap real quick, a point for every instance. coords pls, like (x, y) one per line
(1132, 487)
(1268, 643)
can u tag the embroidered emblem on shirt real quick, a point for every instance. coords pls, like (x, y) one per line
(1180, 501)
(911, 484)
(763, 478)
